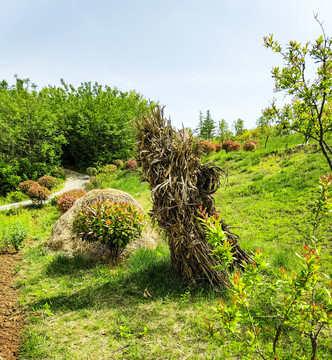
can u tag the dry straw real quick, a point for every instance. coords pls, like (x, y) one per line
(179, 185)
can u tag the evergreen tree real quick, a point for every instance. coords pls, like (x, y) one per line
(207, 126)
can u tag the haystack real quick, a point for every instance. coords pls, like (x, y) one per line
(180, 184)
(63, 238)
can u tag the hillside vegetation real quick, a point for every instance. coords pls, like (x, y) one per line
(79, 309)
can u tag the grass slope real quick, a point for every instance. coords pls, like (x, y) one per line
(138, 309)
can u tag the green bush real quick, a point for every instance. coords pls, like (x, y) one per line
(15, 196)
(118, 163)
(48, 181)
(15, 236)
(113, 224)
(91, 171)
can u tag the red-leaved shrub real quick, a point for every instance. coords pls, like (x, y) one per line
(251, 145)
(38, 194)
(206, 147)
(131, 164)
(26, 185)
(218, 147)
(234, 147)
(67, 199)
(226, 144)
(48, 181)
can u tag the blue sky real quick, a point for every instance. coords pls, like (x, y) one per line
(189, 55)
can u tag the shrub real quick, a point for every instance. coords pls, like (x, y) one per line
(113, 224)
(118, 163)
(234, 147)
(206, 147)
(48, 181)
(251, 145)
(226, 144)
(92, 171)
(26, 185)
(58, 172)
(108, 169)
(15, 236)
(218, 147)
(38, 194)
(15, 196)
(131, 164)
(67, 199)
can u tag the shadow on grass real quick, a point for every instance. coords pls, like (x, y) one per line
(63, 265)
(103, 288)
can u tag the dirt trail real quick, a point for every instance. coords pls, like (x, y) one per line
(11, 319)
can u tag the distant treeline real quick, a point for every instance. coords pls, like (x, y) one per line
(43, 130)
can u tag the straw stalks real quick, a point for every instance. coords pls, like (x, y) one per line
(179, 185)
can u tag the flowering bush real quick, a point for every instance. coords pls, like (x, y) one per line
(38, 194)
(234, 147)
(48, 181)
(226, 144)
(206, 147)
(113, 224)
(67, 199)
(118, 163)
(251, 145)
(26, 185)
(218, 147)
(131, 164)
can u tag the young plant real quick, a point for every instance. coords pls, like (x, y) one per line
(297, 308)
(113, 224)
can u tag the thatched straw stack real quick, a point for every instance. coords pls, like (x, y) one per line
(179, 185)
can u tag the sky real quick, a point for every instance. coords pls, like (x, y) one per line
(189, 55)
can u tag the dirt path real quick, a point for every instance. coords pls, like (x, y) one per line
(11, 319)
(74, 180)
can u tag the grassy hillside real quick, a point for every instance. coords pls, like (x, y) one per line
(138, 309)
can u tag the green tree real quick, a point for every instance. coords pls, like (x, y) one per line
(238, 126)
(310, 111)
(206, 126)
(223, 131)
(30, 132)
(266, 123)
(99, 123)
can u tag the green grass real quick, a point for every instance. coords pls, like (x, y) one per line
(77, 309)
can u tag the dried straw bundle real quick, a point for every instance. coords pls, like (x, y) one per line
(179, 185)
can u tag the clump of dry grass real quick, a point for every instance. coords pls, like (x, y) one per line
(179, 185)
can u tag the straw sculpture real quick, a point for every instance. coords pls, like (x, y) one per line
(179, 185)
